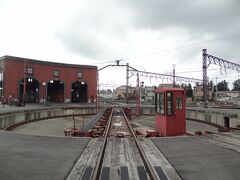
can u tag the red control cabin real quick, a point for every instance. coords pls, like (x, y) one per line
(170, 111)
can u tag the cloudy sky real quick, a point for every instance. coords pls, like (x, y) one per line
(149, 35)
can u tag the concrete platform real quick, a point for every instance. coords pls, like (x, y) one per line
(196, 158)
(36, 158)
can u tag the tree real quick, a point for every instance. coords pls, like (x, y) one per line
(102, 91)
(183, 85)
(109, 91)
(189, 91)
(222, 86)
(236, 85)
(188, 88)
(211, 84)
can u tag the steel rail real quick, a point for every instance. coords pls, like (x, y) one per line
(149, 168)
(98, 167)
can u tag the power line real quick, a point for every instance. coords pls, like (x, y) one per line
(230, 80)
(215, 69)
(170, 49)
(105, 62)
(183, 47)
(196, 71)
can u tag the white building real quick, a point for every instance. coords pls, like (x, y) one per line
(148, 94)
(228, 96)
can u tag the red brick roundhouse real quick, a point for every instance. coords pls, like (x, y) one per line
(46, 81)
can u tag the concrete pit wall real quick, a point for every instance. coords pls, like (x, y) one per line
(223, 120)
(28, 116)
(148, 111)
(12, 119)
(205, 117)
(235, 122)
(213, 118)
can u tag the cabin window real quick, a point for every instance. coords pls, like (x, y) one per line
(179, 103)
(161, 103)
(156, 102)
(169, 104)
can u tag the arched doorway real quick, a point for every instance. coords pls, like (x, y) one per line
(55, 91)
(79, 92)
(32, 90)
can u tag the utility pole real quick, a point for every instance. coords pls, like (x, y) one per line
(2, 89)
(216, 89)
(138, 103)
(174, 83)
(205, 79)
(127, 83)
(97, 108)
(24, 82)
(74, 126)
(44, 93)
(208, 59)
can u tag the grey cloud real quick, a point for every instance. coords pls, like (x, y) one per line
(90, 31)
(82, 43)
(216, 16)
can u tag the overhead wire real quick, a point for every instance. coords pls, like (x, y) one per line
(196, 71)
(175, 49)
(178, 48)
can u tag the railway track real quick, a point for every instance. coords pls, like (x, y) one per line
(117, 127)
(118, 154)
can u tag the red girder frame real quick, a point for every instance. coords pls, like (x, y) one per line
(208, 59)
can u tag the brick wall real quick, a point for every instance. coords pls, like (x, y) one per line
(43, 72)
